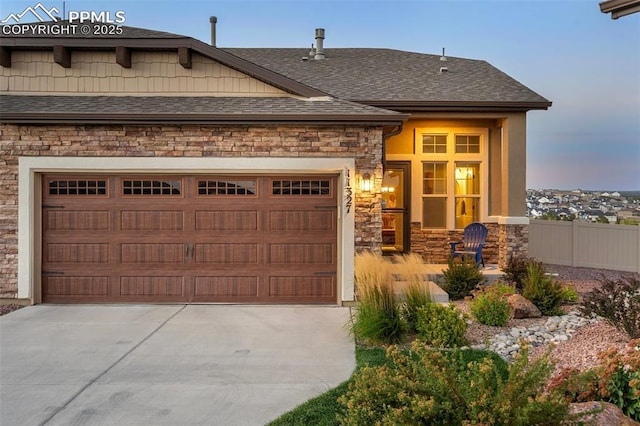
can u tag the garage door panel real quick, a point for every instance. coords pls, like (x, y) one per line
(302, 286)
(226, 253)
(143, 253)
(151, 220)
(76, 220)
(216, 287)
(97, 286)
(76, 253)
(309, 254)
(226, 220)
(302, 220)
(152, 286)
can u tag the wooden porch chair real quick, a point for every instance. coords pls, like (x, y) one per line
(475, 236)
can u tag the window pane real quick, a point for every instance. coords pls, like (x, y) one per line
(434, 144)
(467, 209)
(467, 179)
(434, 178)
(434, 212)
(467, 144)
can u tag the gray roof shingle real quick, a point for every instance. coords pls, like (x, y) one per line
(384, 75)
(17, 108)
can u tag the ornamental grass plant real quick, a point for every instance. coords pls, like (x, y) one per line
(416, 291)
(378, 318)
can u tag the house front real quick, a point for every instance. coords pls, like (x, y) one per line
(152, 167)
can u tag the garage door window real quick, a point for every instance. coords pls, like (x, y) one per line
(227, 187)
(301, 187)
(77, 187)
(151, 187)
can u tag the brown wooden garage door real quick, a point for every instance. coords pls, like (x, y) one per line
(244, 239)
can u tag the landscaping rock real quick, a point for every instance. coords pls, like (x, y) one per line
(523, 308)
(606, 414)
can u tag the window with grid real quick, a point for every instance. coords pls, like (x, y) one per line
(77, 187)
(451, 179)
(301, 187)
(161, 187)
(241, 187)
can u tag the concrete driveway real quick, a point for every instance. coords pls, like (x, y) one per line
(168, 364)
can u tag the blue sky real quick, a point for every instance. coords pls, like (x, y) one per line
(587, 64)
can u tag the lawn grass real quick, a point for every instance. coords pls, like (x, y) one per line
(322, 410)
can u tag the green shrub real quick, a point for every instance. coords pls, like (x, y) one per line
(569, 294)
(618, 302)
(542, 290)
(460, 278)
(490, 305)
(615, 379)
(377, 318)
(429, 387)
(441, 326)
(516, 271)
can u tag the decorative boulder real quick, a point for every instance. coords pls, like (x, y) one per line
(522, 307)
(602, 414)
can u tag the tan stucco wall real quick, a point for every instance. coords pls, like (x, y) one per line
(514, 166)
(93, 73)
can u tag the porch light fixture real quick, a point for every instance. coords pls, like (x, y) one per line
(366, 182)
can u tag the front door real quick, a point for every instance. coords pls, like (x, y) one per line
(395, 207)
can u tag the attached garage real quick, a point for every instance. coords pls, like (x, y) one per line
(189, 238)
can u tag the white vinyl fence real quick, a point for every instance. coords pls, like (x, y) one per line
(592, 245)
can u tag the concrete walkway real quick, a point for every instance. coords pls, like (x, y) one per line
(168, 364)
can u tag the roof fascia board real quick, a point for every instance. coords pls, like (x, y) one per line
(41, 118)
(619, 8)
(219, 55)
(453, 106)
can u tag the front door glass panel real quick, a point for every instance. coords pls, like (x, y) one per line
(395, 229)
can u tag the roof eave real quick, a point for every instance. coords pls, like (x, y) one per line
(263, 74)
(454, 106)
(620, 8)
(89, 118)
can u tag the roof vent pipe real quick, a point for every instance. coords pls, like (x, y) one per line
(443, 58)
(319, 43)
(213, 21)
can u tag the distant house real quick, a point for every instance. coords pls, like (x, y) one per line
(152, 167)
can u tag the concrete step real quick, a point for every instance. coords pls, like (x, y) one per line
(433, 273)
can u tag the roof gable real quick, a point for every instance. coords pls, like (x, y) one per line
(143, 39)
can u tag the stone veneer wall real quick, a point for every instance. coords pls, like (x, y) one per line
(362, 143)
(433, 245)
(513, 242)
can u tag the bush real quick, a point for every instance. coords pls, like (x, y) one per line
(429, 387)
(569, 294)
(461, 277)
(542, 290)
(441, 326)
(615, 379)
(377, 318)
(490, 305)
(618, 302)
(516, 271)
